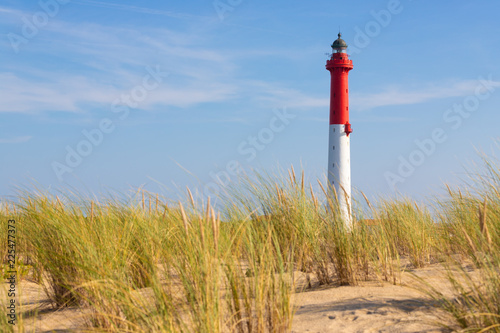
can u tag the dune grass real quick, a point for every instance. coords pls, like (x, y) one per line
(470, 220)
(144, 265)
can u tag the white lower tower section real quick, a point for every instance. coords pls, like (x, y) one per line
(339, 170)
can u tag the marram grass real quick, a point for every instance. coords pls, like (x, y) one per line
(145, 265)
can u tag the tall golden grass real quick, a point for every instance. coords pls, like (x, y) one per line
(145, 265)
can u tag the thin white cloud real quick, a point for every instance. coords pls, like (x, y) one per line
(23, 95)
(107, 62)
(6, 10)
(11, 11)
(75, 93)
(115, 59)
(364, 119)
(375, 119)
(277, 95)
(17, 139)
(11, 17)
(142, 10)
(190, 95)
(401, 96)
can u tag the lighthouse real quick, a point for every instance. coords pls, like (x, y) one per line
(339, 149)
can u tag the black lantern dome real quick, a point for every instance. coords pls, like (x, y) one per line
(339, 44)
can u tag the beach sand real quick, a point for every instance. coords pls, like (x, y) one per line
(370, 307)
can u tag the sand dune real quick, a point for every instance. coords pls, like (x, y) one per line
(370, 307)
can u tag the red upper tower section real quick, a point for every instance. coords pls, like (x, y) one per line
(339, 66)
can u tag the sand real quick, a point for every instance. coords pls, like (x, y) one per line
(366, 308)
(374, 306)
(369, 307)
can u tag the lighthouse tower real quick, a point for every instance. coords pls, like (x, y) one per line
(339, 150)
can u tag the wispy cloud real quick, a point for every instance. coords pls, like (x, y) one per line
(6, 10)
(106, 62)
(24, 95)
(17, 139)
(136, 9)
(103, 62)
(404, 96)
(12, 17)
(276, 94)
(383, 119)
(75, 93)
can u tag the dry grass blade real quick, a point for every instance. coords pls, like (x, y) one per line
(202, 231)
(278, 192)
(185, 220)
(92, 211)
(60, 203)
(313, 197)
(483, 224)
(322, 188)
(191, 197)
(165, 209)
(143, 201)
(302, 178)
(215, 229)
(208, 210)
(367, 201)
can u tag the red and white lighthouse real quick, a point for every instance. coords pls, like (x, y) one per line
(339, 150)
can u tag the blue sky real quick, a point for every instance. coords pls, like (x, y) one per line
(105, 96)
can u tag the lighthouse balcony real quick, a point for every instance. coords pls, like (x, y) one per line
(342, 61)
(339, 63)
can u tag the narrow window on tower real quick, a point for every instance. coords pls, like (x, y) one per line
(333, 147)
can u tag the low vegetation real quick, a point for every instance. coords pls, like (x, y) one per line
(142, 264)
